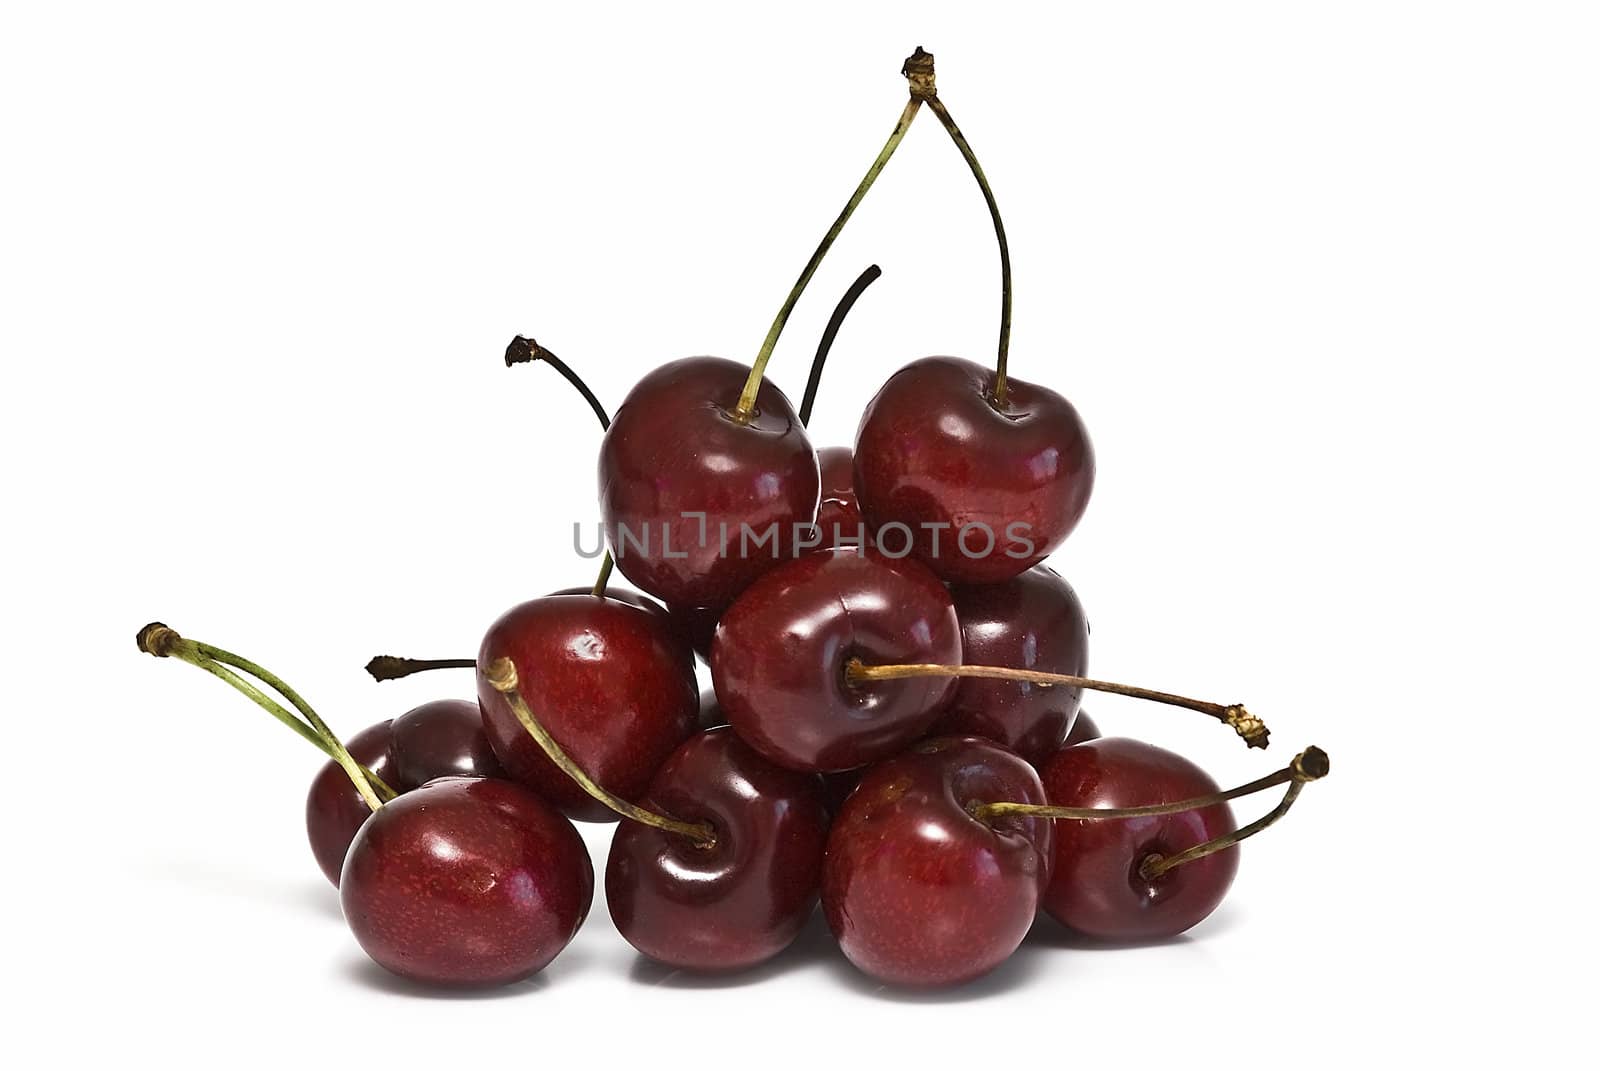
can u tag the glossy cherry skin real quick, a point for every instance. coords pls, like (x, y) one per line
(839, 521)
(740, 901)
(674, 452)
(466, 882)
(778, 659)
(1083, 728)
(610, 682)
(643, 602)
(439, 739)
(917, 890)
(1097, 889)
(934, 450)
(1032, 621)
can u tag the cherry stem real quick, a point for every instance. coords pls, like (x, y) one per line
(960, 139)
(162, 642)
(1234, 715)
(502, 675)
(523, 350)
(1310, 765)
(389, 668)
(918, 70)
(829, 333)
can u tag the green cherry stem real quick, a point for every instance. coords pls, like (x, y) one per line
(524, 350)
(937, 107)
(502, 674)
(829, 333)
(1249, 727)
(1310, 765)
(162, 642)
(918, 70)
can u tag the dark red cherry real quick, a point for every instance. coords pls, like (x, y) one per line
(740, 901)
(610, 682)
(778, 660)
(466, 882)
(836, 787)
(1032, 621)
(334, 809)
(998, 486)
(443, 738)
(1083, 728)
(680, 476)
(1097, 889)
(839, 520)
(917, 890)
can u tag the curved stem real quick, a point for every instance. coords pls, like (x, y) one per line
(1234, 715)
(526, 350)
(960, 139)
(162, 642)
(829, 333)
(389, 668)
(523, 350)
(758, 369)
(502, 675)
(1310, 765)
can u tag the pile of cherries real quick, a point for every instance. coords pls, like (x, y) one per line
(893, 727)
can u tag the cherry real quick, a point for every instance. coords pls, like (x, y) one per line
(778, 660)
(978, 489)
(920, 892)
(839, 520)
(697, 624)
(466, 881)
(1083, 728)
(1032, 621)
(1166, 860)
(611, 682)
(438, 739)
(743, 899)
(682, 473)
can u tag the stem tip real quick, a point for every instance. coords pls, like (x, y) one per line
(1311, 764)
(157, 639)
(918, 70)
(1247, 725)
(522, 351)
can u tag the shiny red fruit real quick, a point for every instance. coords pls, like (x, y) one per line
(740, 901)
(1032, 621)
(1097, 889)
(1083, 728)
(466, 882)
(439, 739)
(998, 487)
(680, 477)
(778, 660)
(839, 521)
(917, 890)
(610, 682)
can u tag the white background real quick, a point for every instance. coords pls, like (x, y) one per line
(1321, 278)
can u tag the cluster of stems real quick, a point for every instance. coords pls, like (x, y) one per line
(162, 642)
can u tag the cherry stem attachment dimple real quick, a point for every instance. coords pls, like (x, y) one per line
(390, 668)
(1249, 727)
(524, 350)
(829, 333)
(918, 70)
(502, 675)
(1310, 765)
(163, 642)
